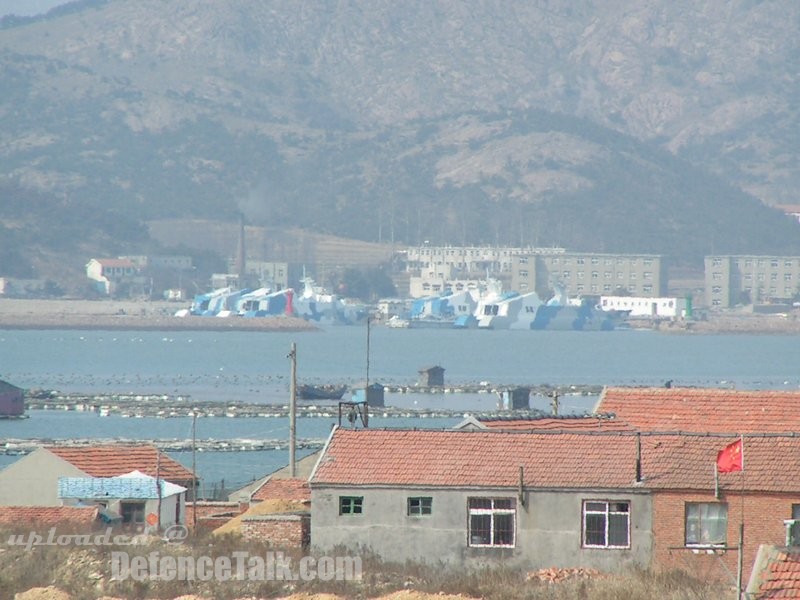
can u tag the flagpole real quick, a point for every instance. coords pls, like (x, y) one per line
(741, 516)
(740, 566)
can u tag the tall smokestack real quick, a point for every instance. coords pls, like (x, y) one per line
(240, 255)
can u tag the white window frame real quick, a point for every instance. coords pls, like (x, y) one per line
(687, 518)
(492, 512)
(607, 512)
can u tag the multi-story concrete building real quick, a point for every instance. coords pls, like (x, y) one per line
(268, 272)
(436, 268)
(467, 262)
(749, 279)
(582, 274)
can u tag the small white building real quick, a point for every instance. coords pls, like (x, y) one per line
(135, 497)
(653, 308)
(392, 307)
(107, 272)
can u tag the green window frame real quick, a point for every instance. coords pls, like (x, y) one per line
(351, 505)
(419, 506)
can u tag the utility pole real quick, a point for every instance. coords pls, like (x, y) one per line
(365, 416)
(158, 489)
(194, 470)
(292, 410)
(554, 404)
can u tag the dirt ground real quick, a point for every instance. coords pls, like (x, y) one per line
(52, 593)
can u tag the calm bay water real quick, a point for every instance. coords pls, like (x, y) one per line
(253, 367)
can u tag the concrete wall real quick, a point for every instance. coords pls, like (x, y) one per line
(548, 528)
(168, 509)
(33, 479)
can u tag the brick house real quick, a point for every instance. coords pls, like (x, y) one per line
(33, 479)
(82, 517)
(287, 529)
(538, 499)
(764, 417)
(278, 515)
(108, 273)
(210, 514)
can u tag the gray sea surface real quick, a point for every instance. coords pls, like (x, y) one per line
(253, 367)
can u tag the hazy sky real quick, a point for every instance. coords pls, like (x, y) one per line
(26, 8)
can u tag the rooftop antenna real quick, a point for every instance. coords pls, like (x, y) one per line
(358, 409)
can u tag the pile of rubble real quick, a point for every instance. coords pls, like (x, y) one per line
(553, 575)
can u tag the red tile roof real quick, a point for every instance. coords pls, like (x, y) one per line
(771, 462)
(703, 409)
(589, 423)
(119, 459)
(780, 577)
(606, 460)
(48, 515)
(283, 489)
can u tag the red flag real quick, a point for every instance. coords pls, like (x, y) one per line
(731, 458)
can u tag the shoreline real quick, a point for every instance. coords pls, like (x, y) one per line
(117, 315)
(130, 315)
(128, 323)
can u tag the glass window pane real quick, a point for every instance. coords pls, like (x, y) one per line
(706, 523)
(480, 503)
(480, 529)
(693, 534)
(716, 525)
(596, 506)
(504, 529)
(595, 530)
(618, 530)
(503, 503)
(420, 506)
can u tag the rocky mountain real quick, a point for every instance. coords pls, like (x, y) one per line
(663, 126)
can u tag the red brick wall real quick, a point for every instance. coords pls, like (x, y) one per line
(207, 513)
(763, 524)
(282, 531)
